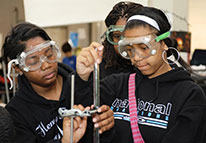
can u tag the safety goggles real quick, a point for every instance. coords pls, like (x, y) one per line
(114, 34)
(142, 46)
(32, 60)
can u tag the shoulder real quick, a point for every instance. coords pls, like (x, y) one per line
(118, 76)
(116, 80)
(190, 92)
(16, 104)
(64, 59)
(19, 110)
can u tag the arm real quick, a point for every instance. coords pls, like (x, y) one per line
(85, 65)
(190, 125)
(26, 133)
(22, 131)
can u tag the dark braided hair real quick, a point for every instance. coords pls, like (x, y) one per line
(120, 10)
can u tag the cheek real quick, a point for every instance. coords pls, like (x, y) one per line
(155, 61)
(33, 76)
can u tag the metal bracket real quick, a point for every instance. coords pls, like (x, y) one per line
(75, 112)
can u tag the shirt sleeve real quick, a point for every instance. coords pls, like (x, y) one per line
(23, 134)
(190, 123)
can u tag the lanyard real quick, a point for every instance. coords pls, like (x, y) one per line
(137, 137)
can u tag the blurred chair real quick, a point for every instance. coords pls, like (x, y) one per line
(198, 57)
(198, 65)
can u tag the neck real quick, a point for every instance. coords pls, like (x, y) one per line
(164, 67)
(52, 92)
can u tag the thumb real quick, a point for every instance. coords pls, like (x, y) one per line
(100, 53)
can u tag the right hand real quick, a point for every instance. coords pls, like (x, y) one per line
(79, 126)
(86, 59)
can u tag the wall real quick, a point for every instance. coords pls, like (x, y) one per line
(197, 20)
(83, 30)
(190, 10)
(11, 13)
(176, 10)
(54, 12)
(59, 35)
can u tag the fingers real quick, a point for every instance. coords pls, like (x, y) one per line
(66, 122)
(86, 59)
(105, 120)
(88, 56)
(96, 51)
(79, 126)
(80, 121)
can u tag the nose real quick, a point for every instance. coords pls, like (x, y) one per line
(136, 56)
(44, 63)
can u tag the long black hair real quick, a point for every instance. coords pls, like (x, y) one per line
(120, 10)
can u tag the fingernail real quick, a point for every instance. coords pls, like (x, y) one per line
(99, 110)
(96, 125)
(94, 120)
(98, 61)
(100, 48)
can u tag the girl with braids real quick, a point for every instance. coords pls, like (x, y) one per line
(161, 104)
(112, 62)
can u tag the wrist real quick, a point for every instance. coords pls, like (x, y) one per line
(63, 140)
(84, 77)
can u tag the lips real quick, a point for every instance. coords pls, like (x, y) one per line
(49, 76)
(142, 67)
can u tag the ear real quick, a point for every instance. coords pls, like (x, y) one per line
(18, 70)
(164, 46)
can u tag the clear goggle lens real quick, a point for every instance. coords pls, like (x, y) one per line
(45, 52)
(142, 46)
(114, 34)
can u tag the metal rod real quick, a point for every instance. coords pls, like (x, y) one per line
(96, 97)
(5, 82)
(72, 104)
(14, 81)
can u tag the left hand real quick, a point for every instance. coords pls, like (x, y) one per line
(79, 126)
(104, 120)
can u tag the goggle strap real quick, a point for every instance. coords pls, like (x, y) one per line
(9, 71)
(162, 36)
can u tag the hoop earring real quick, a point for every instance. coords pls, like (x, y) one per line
(173, 61)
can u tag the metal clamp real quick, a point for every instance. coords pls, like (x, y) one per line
(75, 112)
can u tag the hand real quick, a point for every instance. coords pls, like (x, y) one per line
(86, 59)
(79, 126)
(105, 120)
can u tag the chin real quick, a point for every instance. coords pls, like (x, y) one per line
(147, 73)
(50, 82)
